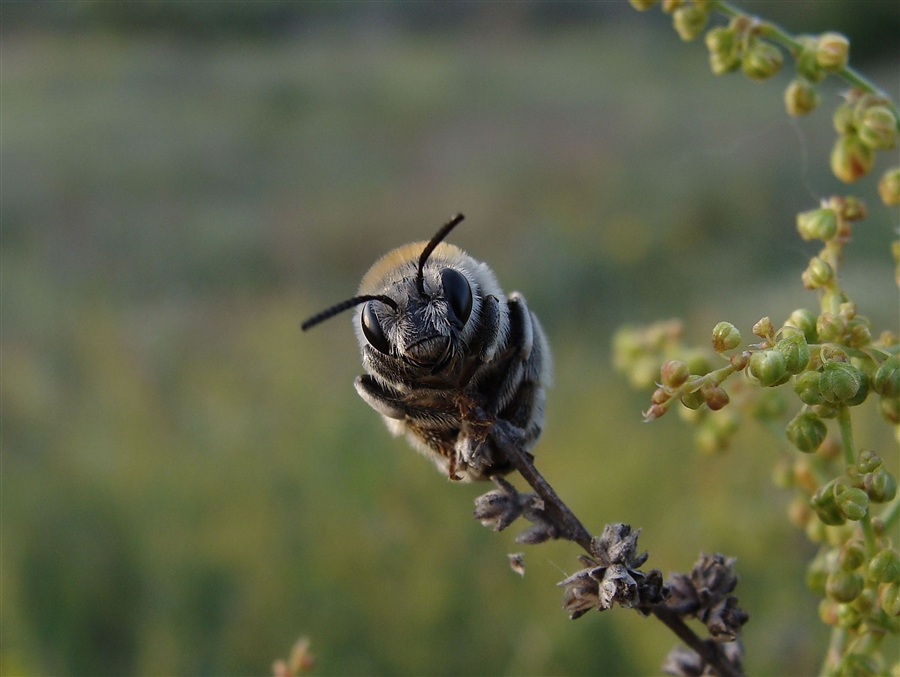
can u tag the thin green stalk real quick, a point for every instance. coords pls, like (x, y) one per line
(779, 35)
(891, 513)
(846, 429)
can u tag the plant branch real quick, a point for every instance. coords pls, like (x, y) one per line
(508, 439)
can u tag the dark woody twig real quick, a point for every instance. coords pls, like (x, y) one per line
(507, 439)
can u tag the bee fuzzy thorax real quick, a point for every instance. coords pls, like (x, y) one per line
(439, 341)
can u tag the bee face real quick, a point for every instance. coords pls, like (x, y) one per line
(431, 327)
(439, 340)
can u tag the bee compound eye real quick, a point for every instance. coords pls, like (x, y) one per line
(371, 328)
(458, 293)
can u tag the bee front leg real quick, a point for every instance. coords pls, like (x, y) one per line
(385, 401)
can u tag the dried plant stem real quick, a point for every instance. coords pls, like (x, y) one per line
(508, 439)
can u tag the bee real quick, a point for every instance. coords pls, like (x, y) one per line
(446, 354)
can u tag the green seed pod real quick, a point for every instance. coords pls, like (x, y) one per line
(761, 60)
(843, 119)
(889, 187)
(807, 65)
(852, 555)
(832, 52)
(867, 461)
(817, 274)
(768, 367)
(849, 619)
(887, 378)
(817, 224)
(806, 431)
(862, 393)
(866, 602)
(724, 62)
(890, 409)
(689, 21)
(844, 586)
(795, 351)
(806, 385)
(880, 485)
(800, 97)
(720, 40)
(829, 327)
(859, 334)
(889, 596)
(839, 382)
(725, 336)
(877, 127)
(853, 502)
(674, 373)
(824, 503)
(851, 159)
(693, 400)
(885, 567)
(805, 321)
(642, 5)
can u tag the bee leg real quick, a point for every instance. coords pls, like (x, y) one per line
(386, 402)
(489, 334)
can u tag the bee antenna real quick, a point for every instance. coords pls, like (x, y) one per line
(338, 308)
(430, 247)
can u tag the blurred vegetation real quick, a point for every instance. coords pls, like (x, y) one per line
(189, 483)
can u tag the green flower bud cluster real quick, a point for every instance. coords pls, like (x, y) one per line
(865, 123)
(739, 45)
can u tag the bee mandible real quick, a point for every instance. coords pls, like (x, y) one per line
(446, 353)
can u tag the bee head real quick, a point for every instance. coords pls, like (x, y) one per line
(422, 307)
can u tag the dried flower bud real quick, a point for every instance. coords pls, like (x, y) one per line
(674, 373)
(740, 360)
(887, 378)
(885, 566)
(840, 382)
(539, 532)
(877, 127)
(806, 431)
(517, 562)
(716, 397)
(800, 97)
(817, 224)
(501, 507)
(833, 52)
(889, 187)
(817, 274)
(764, 328)
(880, 486)
(689, 21)
(725, 337)
(761, 60)
(768, 367)
(851, 159)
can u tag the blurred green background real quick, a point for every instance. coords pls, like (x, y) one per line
(190, 483)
